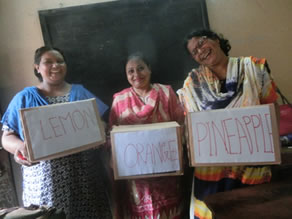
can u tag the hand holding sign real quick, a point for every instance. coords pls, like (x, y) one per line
(20, 155)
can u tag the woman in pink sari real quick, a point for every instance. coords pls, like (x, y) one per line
(142, 103)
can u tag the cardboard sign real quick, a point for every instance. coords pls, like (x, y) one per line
(146, 150)
(61, 129)
(236, 136)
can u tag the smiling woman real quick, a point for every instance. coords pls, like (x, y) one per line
(223, 82)
(145, 103)
(72, 183)
(138, 75)
(51, 69)
(206, 50)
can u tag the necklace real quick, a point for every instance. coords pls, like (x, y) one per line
(145, 96)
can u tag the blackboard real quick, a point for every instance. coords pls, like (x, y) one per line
(98, 38)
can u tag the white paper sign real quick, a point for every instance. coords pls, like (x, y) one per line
(147, 152)
(241, 135)
(61, 127)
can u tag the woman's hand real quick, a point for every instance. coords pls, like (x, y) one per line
(13, 144)
(21, 156)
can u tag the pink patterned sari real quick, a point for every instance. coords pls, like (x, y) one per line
(159, 197)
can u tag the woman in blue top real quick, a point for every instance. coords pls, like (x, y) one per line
(72, 183)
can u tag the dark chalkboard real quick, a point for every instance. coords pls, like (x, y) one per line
(97, 39)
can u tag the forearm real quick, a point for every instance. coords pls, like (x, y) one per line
(11, 141)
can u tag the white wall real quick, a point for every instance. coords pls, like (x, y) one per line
(261, 28)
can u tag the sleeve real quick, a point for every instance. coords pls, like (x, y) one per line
(186, 95)
(175, 107)
(81, 93)
(102, 107)
(113, 117)
(11, 118)
(269, 93)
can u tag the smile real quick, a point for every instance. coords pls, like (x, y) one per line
(205, 54)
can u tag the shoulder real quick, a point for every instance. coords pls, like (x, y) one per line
(123, 92)
(22, 99)
(258, 61)
(79, 91)
(194, 73)
(254, 64)
(254, 60)
(162, 86)
(76, 87)
(120, 98)
(25, 93)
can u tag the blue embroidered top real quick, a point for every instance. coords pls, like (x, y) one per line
(30, 97)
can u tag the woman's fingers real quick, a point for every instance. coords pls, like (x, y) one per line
(21, 159)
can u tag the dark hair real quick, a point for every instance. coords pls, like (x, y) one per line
(140, 56)
(38, 55)
(224, 43)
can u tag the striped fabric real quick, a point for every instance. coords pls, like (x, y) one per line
(248, 83)
(162, 105)
(158, 197)
(247, 175)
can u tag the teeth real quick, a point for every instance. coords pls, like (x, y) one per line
(205, 55)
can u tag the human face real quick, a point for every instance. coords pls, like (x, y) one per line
(205, 51)
(138, 74)
(52, 67)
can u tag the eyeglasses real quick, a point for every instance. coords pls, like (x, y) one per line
(51, 63)
(202, 40)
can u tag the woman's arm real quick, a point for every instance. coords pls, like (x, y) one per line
(13, 144)
(113, 115)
